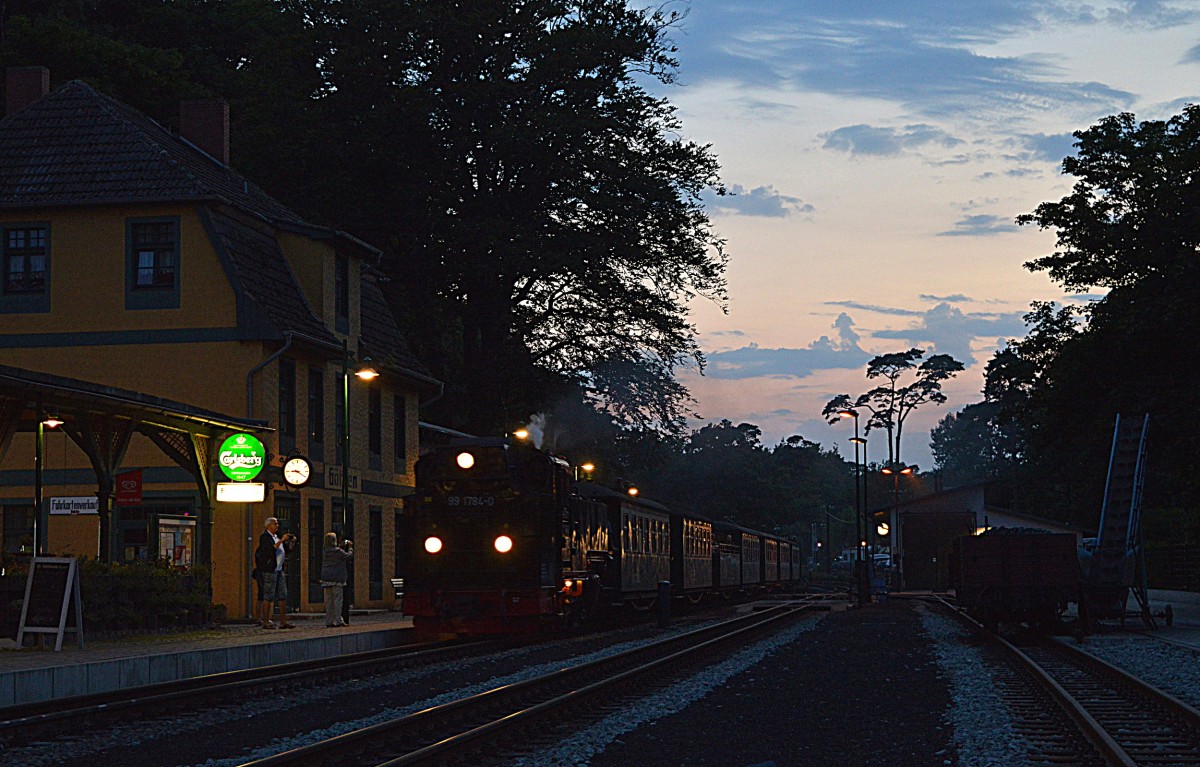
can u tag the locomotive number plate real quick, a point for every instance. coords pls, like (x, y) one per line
(470, 500)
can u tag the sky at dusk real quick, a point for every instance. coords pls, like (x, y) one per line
(878, 154)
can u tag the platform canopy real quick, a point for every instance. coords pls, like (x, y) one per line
(101, 419)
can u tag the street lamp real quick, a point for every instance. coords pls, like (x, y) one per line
(859, 523)
(894, 470)
(584, 471)
(365, 372)
(40, 523)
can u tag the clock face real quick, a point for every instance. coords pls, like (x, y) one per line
(296, 472)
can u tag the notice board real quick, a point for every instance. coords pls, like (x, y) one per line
(53, 604)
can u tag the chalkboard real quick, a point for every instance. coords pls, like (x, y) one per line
(51, 591)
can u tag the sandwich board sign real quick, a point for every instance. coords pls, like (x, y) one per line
(52, 603)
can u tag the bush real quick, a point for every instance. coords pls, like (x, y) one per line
(143, 596)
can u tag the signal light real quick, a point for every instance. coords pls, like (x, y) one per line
(433, 544)
(503, 544)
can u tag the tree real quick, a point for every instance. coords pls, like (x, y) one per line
(530, 194)
(1133, 216)
(891, 404)
(538, 209)
(1131, 225)
(724, 472)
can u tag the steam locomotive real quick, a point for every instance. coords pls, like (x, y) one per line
(498, 539)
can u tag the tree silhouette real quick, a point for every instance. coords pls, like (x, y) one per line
(891, 403)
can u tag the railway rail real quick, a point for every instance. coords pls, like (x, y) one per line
(469, 728)
(19, 724)
(1121, 720)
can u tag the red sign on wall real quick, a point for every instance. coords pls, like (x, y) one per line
(129, 488)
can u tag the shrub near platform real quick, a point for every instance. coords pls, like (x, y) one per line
(141, 597)
(118, 598)
(144, 596)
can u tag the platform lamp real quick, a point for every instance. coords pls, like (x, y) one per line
(365, 372)
(858, 513)
(40, 521)
(894, 470)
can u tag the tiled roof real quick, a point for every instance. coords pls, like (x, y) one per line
(262, 276)
(78, 146)
(381, 337)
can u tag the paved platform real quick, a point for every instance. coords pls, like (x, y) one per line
(33, 674)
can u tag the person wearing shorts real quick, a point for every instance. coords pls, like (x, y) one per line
(269, 561)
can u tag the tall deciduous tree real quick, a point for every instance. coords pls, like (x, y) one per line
(537, 199)
(539, 210)
(891, 403)
(1131, 226)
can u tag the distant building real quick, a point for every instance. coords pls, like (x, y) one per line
(135, 257)
(921, 531)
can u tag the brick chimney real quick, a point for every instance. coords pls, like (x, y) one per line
(24, 86)
(205, 123)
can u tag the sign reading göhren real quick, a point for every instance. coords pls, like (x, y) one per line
(242, 457)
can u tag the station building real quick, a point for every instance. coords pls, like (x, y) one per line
(162, 302)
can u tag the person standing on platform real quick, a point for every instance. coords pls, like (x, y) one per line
(269, 559)
(334, 563)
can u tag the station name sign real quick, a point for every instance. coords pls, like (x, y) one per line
(75, 504)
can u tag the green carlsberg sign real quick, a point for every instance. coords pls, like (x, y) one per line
(242, 457)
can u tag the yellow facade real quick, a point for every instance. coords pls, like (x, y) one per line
(187, 354)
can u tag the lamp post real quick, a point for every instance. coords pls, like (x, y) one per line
(366, 373)
(894, 470)
(858, 520)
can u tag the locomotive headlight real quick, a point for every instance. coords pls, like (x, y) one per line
(433, 544)
(503, 544)
(465, 460)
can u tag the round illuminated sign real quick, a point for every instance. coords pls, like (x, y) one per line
(242, 457)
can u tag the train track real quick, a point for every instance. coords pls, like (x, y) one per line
(1124, 721)
(20, 724)
(507, 718)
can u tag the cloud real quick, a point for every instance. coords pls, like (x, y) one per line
(1047, 147)
(875, 308)
(759, 201)
(950, 331)
(956, 298)
(868, 140)
(980, 225)
(753, 361)
(923, 54)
